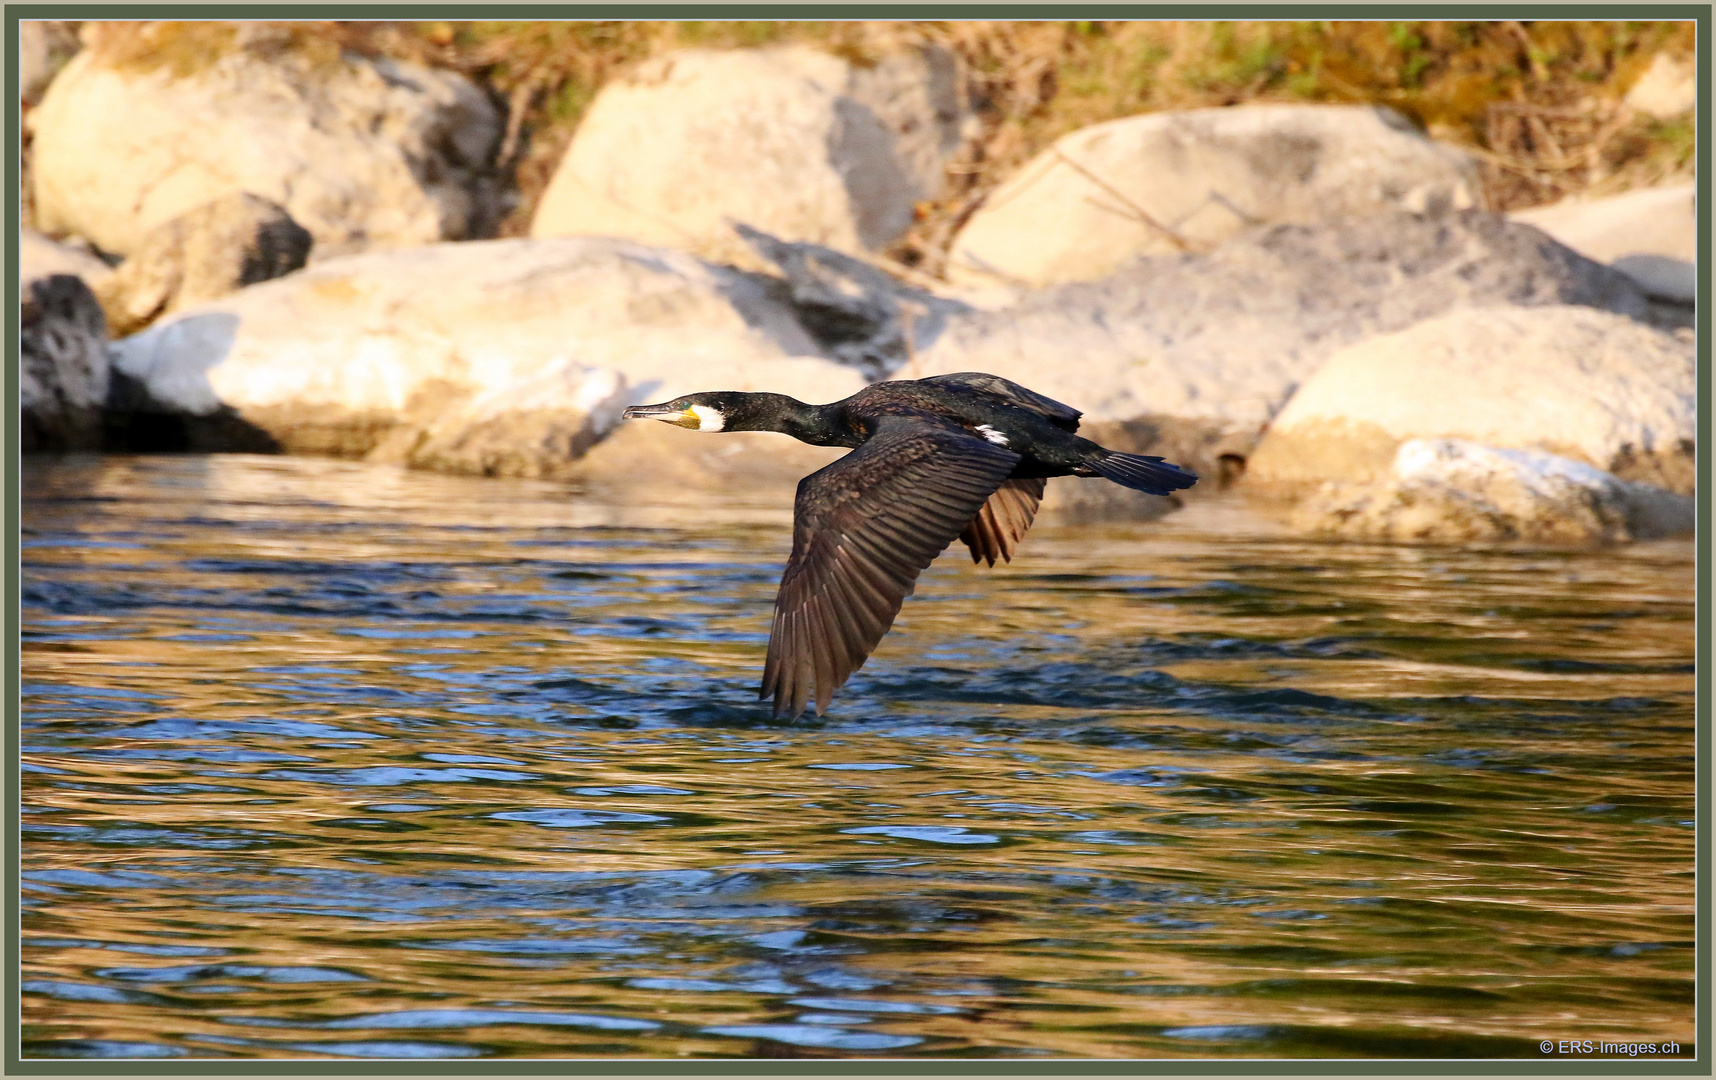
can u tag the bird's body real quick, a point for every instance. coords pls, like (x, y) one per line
(963, 456)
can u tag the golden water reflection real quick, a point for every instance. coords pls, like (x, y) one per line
(327, 759)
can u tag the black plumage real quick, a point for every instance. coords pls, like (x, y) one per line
(963, 456)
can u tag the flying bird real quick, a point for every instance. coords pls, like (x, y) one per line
(963, 456)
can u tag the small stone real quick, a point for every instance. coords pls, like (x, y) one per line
(1667, 89)
(234, 241)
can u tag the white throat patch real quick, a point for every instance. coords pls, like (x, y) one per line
(992, 435)
(708, 419)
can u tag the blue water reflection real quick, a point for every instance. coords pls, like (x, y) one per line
(336, 761)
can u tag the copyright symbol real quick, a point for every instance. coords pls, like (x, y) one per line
(1546, 1046)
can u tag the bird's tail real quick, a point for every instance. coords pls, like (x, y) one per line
(1140, 473)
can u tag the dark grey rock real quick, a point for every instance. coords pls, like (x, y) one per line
(856, 313)
(63, 370)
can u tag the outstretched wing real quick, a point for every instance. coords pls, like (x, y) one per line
(1064, 416)
(863, 529)
(995, 531)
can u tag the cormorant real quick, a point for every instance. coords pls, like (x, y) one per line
(964, 455)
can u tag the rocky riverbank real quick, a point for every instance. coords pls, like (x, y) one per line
(1306, 304)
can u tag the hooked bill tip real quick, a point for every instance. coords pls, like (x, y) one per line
(685, 418)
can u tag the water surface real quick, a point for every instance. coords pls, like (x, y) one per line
(334, 760)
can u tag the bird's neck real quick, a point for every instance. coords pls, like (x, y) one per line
(814, 424)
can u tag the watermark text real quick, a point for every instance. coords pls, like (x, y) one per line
(1597, 1047)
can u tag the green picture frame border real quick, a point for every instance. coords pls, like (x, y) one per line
(1699, 1065)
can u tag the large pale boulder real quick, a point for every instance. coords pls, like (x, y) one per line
(1455, 491)
(364, 153)
(1191, 356)
(1588, 385)
(63, 373)
(236, 240)
(796, 142)
(1175, 181)
(508, 357)
(1651, 235)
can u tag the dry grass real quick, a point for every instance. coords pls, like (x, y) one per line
(1539, 102)
(1489, 87)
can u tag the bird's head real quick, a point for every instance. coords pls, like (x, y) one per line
(723, 410)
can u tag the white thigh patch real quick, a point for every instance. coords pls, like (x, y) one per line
(992, 435)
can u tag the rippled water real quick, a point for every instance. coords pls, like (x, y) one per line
(325, 759)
